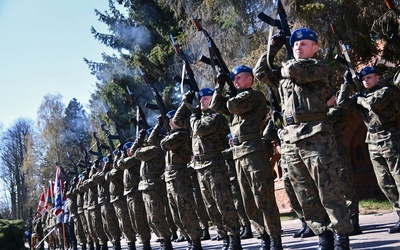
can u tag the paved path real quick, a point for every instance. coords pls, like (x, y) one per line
(374, 227)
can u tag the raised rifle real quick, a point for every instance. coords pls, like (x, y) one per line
(346, 60)
(191, 82)
(215, 58)
(110, 137)
(159, 101)
(140, 121)
(74, 165)
(391, 6)
(281, 24)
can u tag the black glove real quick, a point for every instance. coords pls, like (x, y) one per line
(110, 157)
(278, 40)
(189, 96)
(196, 113)
(221, 78)
(348, 78)
(142, 133)
(160, 121)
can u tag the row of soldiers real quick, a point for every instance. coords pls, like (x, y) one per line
(132, 191)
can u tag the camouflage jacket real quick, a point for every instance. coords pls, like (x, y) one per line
(103, 187)
(92, 193)
(178, 153)
(379, 107)
(152, 164)
(116, 184)
(131, 167)
(303, 89)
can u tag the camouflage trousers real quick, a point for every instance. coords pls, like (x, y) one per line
(97, 223)
(314, 173)
(137, 213)
(346, 180)
(294, 203)
(110, 222)
(89, 227)
(236, 193)
(154, 201)
(81, 228)
(254, 171)
(125, 225)
(385, 157)
(182, 205)
(201, 210)
(217, 196)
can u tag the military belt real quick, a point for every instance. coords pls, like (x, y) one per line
(374, 129)
(205, 157)
(289, 120)
(149, 177)
(238, 140)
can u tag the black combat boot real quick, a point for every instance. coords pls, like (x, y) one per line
(247, 233)
(83, 247)
(196, 245)
(174, 236)
(396, 228)
(341, 242)
(276, 243)
(146, 245)
(206, 234)
(104, 246)
(91, 245)
(234, 242)
(307, 233)
(165, 244)
(98, 246)
(117, 245)
(302, 229)
(356, 225)
(265, 241)
(131, 246)
(225, 242)
(325, 241)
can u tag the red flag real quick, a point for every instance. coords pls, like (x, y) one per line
(41, 204)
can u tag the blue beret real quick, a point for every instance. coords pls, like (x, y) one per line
(366, 71)
(105, 159)
(127, 145)
(205, 92)
(303, 34)
(115, 152)
(170, 114)
(239, 69)
(80, 176)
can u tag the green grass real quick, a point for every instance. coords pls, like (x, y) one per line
(368, 206)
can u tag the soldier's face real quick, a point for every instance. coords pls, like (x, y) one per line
(205, 102)
(304, 49)
(370, 81)
(243, 80)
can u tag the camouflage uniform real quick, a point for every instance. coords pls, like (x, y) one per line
(249, 109)
(80, 219)
(152, 186)
(134, 199)
(108, 217)
(116, 187)
(73, 207)
(337, 116)
(208, 139)
(179, 184)
(91, 239)
(380, 109)
(94, 210)
(308, 144)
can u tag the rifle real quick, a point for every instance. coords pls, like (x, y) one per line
(99, 146)
(346, 60)
(74, 165)
(85, 163)
(281, 24)
(159, 101)
(191, 82)
(140, 120)
(109, 136)
(215, 57)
